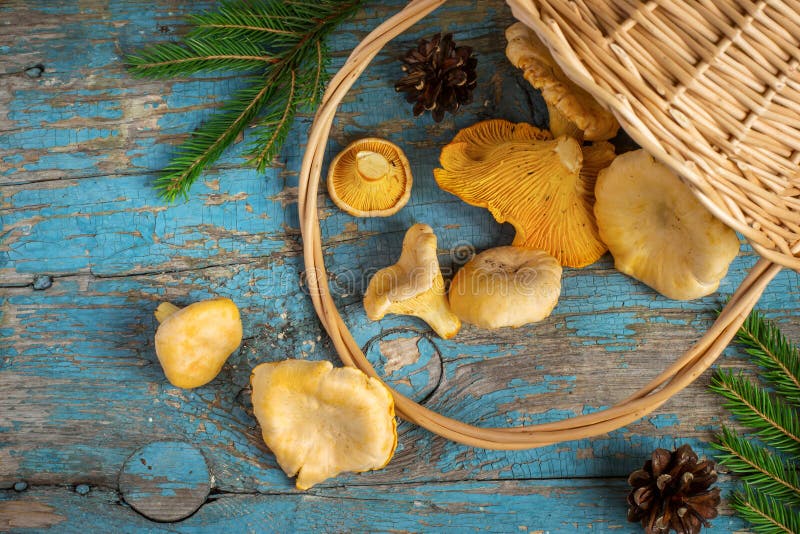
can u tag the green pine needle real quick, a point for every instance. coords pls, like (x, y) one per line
(170, 59)
(766, 514)
(208, 141)
(771, 497)
(758, 466)
(274, 128)
(773, 420)
(282, 42)
(771, 350)
(275, 24)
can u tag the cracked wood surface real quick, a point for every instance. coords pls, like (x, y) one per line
(80, 385)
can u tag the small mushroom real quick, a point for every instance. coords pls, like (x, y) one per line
(370, 178)
(536, 183)
(506, 286)
(413, 286)
(572, 109)
(320, 421)
(658, 232)
(194, 342)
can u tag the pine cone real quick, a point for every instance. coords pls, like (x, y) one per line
(671, 492)
(440, 76)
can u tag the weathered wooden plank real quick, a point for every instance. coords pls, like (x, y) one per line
(80, 384)
(556, 507)
(82, 387)
(165, 481)
(117, 216)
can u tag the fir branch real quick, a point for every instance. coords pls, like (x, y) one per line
(283, 41)
(232, 20)
(274, 128)
(320, 77)
(771, 350)
(170, 59)
(771, 497)
(209, 140)
(757, 466)
(766, 514)
(773, 420)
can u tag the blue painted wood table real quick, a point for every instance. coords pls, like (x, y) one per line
(87, 251)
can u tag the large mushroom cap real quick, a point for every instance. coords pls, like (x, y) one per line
(194, 342)
(483, 137)
(658, 232)
(530, 181)
(320, 421)
(370, 178)
(414, 285)
(567, 102)
(506, 286)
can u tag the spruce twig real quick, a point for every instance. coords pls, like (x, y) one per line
(767, 514)
(766, 459)
(773, 420)
(281, 42)
(776, 354)
(757, 466)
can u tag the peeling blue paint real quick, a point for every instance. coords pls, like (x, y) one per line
(82, 351)
(664, 420)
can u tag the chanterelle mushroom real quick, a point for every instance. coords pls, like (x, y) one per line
(320, 421)
(536, 183)
(193, 343)
(658, 232)
(566, 101)
(506, 286)
(370, 178)
(413, 285)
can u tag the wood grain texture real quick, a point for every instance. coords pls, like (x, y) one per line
(165, 480)
(80, 385)
(526, 506)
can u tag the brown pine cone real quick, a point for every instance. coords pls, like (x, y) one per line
(673, 492)
(440, 76)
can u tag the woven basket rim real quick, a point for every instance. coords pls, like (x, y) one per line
(647, 399)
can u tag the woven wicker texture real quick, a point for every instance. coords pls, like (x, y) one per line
(688, 366)
(709, 87)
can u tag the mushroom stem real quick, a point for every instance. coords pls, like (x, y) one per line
(164, 310)
(435, 311)
(371, 166)
(569, 151)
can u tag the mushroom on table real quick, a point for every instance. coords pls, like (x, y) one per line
(370, 178)
(506, 286)
(193, 343)
(538, 184)
(414, 285)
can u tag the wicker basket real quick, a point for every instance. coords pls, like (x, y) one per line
(732, 66)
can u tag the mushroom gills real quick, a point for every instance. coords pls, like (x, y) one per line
(370, 178)
(536, 183)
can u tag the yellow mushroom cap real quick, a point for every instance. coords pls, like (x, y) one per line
(571, 103)
(320, 421)
(658, 232)
(370, 178)
(506, 286)
(194, 342)
(414, 285)
(530, 181)
(483, 137)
